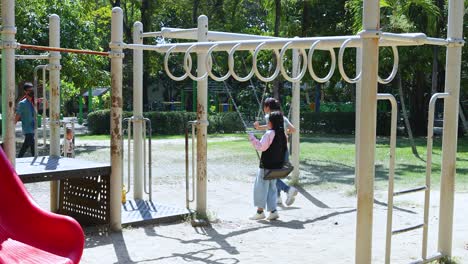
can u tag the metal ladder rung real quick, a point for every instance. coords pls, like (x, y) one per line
(406, 229)
(417, 189)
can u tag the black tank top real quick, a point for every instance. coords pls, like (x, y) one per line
(273, 157)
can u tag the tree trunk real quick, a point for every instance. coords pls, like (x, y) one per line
(435, 69)
(405, 116)
(115, 3)
(196, 4)
(306, 18)
(276, 82)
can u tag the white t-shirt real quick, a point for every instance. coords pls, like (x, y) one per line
(286, 122)
(67, 146)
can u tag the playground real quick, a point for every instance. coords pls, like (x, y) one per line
(318, 226)
(138, 197)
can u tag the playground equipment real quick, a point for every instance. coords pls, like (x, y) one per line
(44, 107)
(367, 43)
(146, 151)
(49, 238)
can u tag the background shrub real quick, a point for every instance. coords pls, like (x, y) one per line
(173, 123)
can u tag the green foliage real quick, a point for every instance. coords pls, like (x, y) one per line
(83, 25)
(168, 123)
(99, 121)
(86, 25)
(338, 123)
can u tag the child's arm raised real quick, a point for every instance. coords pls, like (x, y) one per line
(264, 143)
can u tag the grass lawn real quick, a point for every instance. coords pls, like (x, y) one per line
(331, 158)
(337, 154)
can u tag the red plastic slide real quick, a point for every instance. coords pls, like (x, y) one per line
(29, 234)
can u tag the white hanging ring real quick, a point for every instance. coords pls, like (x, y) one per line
(304, 64)
(166, 67)
(311, 67)
(394, 69)
(209, 66)
(255, 69)
(188, 65)
(340, 64)
(231, 65)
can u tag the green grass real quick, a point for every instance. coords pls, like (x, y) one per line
(93, 137)
(330, 159)
(156, 137)
(335, 155)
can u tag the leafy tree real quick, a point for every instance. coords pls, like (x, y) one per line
(80, 29)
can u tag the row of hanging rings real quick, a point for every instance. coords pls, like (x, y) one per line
(187, 64)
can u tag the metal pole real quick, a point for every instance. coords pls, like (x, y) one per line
(44, 106)
(150, 159)
(202, 124)
(138, 162)
(427, 194)
(187, 203)
(116, 55)
(391, 172)
(296, 107)
(43, 67)
(8, 79)
(358, 117)
(449, 141)
(54, 80)
(366, 108)
(80, 109)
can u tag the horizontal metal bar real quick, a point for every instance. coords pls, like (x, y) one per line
(407, 229)
(191, 34)
(437, 42)
(436, 256)
(415, 38)
(220, 36)
(387, 39)
(305, 43)
(152, 34)
(30, 57)
(413, 190)
(66, 50)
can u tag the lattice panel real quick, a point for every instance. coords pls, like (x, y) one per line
(86, 199)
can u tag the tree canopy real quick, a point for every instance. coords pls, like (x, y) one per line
(86, 25)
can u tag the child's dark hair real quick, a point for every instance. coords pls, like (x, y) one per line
(272, 103)
(277, 124)
(69, 130)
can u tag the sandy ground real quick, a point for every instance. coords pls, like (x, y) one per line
(318, 228)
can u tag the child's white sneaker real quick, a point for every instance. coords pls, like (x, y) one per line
(273, 216)
(291, 196)
(257, 216)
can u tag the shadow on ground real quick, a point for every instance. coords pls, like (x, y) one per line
(96, 238)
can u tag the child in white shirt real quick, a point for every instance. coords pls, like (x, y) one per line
(67, 144)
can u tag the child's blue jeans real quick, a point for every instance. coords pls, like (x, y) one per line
(264, 192)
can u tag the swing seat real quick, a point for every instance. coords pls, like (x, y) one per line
(279, 173)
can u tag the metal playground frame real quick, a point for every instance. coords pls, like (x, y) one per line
(367, 43)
